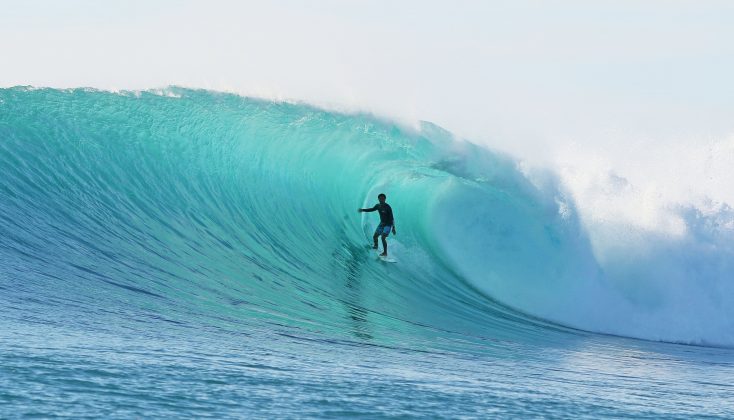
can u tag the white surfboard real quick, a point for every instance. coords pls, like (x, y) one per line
(386, 259)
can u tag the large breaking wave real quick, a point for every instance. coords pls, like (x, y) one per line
(200, 206)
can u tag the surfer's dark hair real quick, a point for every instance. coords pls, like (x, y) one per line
(381, 195)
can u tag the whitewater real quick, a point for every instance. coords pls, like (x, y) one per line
(190, 253)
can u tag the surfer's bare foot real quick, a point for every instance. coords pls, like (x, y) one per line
(374, 247)
(384, 254)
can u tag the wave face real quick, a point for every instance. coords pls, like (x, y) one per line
(205, 208)
(210, 208)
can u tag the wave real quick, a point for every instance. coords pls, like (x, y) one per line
(204, 207)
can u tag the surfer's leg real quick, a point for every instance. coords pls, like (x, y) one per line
(380, 229)
(384, 245)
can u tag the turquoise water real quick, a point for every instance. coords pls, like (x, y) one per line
(184, 253)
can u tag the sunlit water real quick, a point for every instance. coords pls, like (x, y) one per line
(188, 254)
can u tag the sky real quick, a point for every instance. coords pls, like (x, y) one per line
(633, 88)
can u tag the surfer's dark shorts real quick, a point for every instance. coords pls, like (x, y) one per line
(383, 229)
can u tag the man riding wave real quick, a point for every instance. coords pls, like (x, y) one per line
(387, 222)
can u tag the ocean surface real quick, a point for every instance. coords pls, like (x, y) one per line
(185, 254)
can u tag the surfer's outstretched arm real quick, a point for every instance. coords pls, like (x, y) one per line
(368, 210)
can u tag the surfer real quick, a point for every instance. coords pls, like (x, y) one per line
(387, 222)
